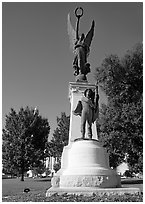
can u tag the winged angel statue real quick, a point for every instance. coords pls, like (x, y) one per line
(80, 44)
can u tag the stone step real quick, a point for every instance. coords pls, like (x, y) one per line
(90, 191)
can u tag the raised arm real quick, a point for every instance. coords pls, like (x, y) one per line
(77, 28)
(78, 20)
(96, 95)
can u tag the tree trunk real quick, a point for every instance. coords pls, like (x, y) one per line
(22, 170)
(22, 177)
(22, 161)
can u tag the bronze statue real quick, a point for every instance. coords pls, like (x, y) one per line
(88, 109)
(81, 47)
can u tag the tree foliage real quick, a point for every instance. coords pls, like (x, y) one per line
(60, 137)
(121, 121)
(24, 140)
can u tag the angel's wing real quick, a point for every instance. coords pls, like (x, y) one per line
(89, 36)
(71, 33)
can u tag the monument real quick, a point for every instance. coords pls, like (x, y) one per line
(84, 163)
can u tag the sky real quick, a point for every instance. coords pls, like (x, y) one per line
(36, 55)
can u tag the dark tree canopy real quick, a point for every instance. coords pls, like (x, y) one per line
(60, 137)
(121, 121)
(24, 140)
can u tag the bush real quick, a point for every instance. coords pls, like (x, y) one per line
(56, 166)
(128, 173)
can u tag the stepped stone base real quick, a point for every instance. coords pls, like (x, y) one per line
(90, 191)
(85, 170)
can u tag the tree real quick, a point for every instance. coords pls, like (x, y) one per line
(24, 140)
(60, 137)
(121, 121)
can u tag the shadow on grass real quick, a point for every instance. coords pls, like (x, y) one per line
(131, 181)
(43, 180)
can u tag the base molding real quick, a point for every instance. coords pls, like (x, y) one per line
(90, 191)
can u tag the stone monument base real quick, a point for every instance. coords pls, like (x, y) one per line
(85, 164)
(89, 191)
(85, 170)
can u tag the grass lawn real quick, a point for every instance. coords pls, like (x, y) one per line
(11, 187)
(13, 190)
